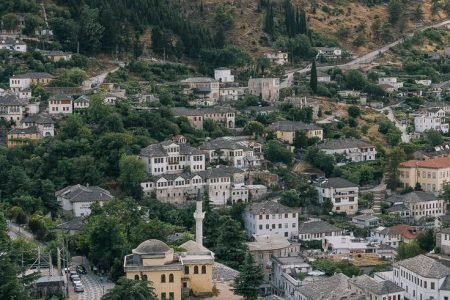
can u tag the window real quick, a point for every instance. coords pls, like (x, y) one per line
(171, 296)
(170, 277)
(163, 278)
(432, 285)
(286, 234)
(203, 269)
(136, 277)
(186, 269)
(163, 296)
(196, 270)
(144, 277)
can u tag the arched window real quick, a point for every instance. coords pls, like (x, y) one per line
(203, 269)
(196, 270)
(144, 277)
(163, 278)
(136, 277)
(170, 277)
(186, 269)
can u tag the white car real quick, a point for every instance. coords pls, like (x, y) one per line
(76, 282)
(79, 288)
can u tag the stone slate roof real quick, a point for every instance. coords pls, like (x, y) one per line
(157, 150)
(61, 97)
(365, 217)
(221, 143)
(317, 227)
(334, 287)
(82, 99)
(80, 193)
(337, 182)
(76, 224)
(10, 100)
(413, 197)
(38, 119)
(268, 207)
(291, 126)
(34, 75)
(29, 130)
(397, 208)
(151, 246)
(184, 111)
(425, 266)
(223, 273)
(335, 144)
(220, 171)
(446, 284)
(365, 282)
(198, 79)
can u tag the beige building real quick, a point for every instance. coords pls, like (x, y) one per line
(341, 192)
(196, 117)
(285, 130)
(22, 136)
(266, 88)
(205, 89)
(431, 174)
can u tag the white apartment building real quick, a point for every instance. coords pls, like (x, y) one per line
(12, 108)
(266, 88)
(242, 154)
(353, 149)
(24, 81)
(418, 205)
(342, 193)
(317, 230)
(422, 278)
(60, 104)
(171, 157)
(391, 81)
(223, 75)
(44, 124)
(434, 118)
(443, 240)
(271, 218)
(279, 58)
(284, 277)
(387, 236)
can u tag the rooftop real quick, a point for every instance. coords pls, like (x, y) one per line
(158, 150)
(34, 75)
(366, 217)
(184, 111)
(317, 227)
(268, 207)
(334, 287)
(380, 288)
(337, 182)
(38, 119)
(433, 163)
(425, 267)
(80, 193)
(346, 143)
(268, 243)
(10, 100)
(412, 197)
(293, 126)
(151, 246)
(29, 130)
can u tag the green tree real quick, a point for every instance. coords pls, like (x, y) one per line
(435, 7)
(91, 31)
(277, 152)
(249, 279)
(269, 25)
(354, 111)
(405, 251)
(254, 128)
(434, 138)
(230, 247)
(313, 79)
(132, 173)
(300, 140)
(291, 198)
(418, 13)
(395, 8)
(426, 240)
(131, 289)
(392, 174)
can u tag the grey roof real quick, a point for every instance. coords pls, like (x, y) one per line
(446, 284)
(220, 171)
(317, 227)
(151, 246)
(29, 130)
(61, 97)
(82, 99)
(34, 75)
(222, 272)
(397, 208)
(198, 79)
(268, 207)
(413, 197)
(184, 111)
(346, 143)
(290, 260)
(337, 182)
(157, 150)
(11, 99)
(221, 143)
(38, 119)
(385, 287)
(258, 109)
(75, 224)
(80, 193)
(334, 287)
(222, 69)
(293, 126)
(425, 266)
(444, 230)
(366, 217)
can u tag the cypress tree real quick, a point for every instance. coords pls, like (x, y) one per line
(269, 24)
(313, 79)
(249, 279)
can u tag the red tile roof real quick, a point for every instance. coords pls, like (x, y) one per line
(434, 163)
(406, 231)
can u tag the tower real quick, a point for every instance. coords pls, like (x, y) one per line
(199, 215)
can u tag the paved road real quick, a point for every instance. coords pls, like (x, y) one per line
(96, 80)
(15, 231)
(94, 288)
(356, 63)
(402, 127)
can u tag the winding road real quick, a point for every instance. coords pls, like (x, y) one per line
(357, 62)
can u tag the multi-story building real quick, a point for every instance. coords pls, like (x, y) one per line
(81, 102)
(367, 286)
(366, 221)
(266, 88)
(279, 58)
(431, 175)
(418, 205)
(44, 124)
(394, 235)
(331, 288)
(354, 150)
(196, 117)
(77, 199)
(12, 108)
(171, 157)
(391, 81)
(422, 278)
(223, 75)
(341, 192)
(21, 136)
(25, 81)
(285, 273)
(244, 154)
(443, 240)
(304, 102)
(271, 218)
(60, 104)
(56, 56)
(231, 93)
(434, 118)
(205, 89)
(317, 230)
(286, 130)
(13, 45)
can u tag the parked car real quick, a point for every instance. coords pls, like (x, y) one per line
(72, 272)
(79, 288)
(81, 269)
(75, 277)
(76, 282)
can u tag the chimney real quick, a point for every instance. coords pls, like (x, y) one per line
(199, 215)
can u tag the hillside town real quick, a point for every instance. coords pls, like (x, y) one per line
(303, 171)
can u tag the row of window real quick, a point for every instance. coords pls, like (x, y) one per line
(414, 279)
(286, 225)
(196, 270)
(274, 216)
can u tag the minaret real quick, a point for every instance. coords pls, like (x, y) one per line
(199, 215)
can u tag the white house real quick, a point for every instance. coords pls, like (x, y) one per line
(353, 149)
(317, 230)
(366, 221)
(323, 77)
(271, 218)
(231, 93)
(266, 88)
(329, 53)
(425, 82)
(12, 108)
(279, 58)
(434, 118)
(81, 102)
(346, 244)
(341, 192)
(171, 157)
(13, 45)
(285, 274)
(223, 75)
(25, 81)
(422, 278)
(443, 240)
(78, 199)
(375, 289)
(417, 205)
(110, 99)
(60, 104)
(205, 89)
(391, 81)
(44, 124)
